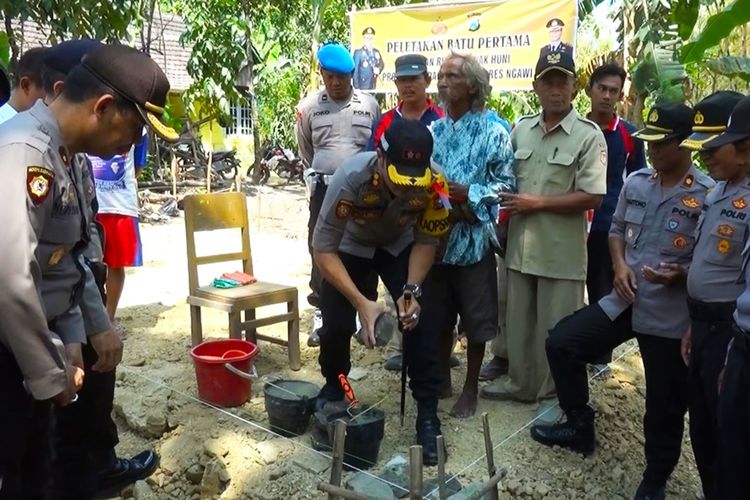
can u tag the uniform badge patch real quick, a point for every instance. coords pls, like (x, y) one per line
(691, 202)
(679, 242)
(689, 180)
(726, 230)
(630, 233)
(603, 157)
(723, 246)
(673, 224)
(739, 203)
(343, 209)
(38, 183)
(56, 256)
(371, 198)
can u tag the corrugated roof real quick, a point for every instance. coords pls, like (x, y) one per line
(165, 45)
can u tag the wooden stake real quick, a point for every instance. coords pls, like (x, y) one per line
(489, 486)
(337, 467)
(338, 491)
(490, 454)
(442, 487)
(415, 472)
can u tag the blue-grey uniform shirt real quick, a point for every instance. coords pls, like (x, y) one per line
(714, 274)
(658, 225)
(742, 313)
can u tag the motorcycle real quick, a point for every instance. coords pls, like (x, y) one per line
(281, 161)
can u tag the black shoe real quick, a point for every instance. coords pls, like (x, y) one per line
(494, 368)
(576, 433)
(427, 432)
(394, 362)
(649, 490)
(124, 472)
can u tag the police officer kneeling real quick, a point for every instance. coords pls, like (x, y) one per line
(367, 223)
(651, 241)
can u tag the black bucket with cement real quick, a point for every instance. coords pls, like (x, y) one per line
(289, 404)
(364, 433)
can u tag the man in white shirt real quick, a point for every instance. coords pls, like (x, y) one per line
(27, 84)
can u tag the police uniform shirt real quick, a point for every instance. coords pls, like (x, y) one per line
(368, 64)
(359, 214)
(562, 47)
(42, 224)
(571, 157)
(658, 225)
(329, 132)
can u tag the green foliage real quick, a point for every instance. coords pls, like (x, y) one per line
(718, 27)
(4, 49)
(731, 66)
(513, 105)
(684, 15)
(660, 75)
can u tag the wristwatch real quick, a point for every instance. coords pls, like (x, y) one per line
(415, 290)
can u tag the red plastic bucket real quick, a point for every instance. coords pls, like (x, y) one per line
(223, 371)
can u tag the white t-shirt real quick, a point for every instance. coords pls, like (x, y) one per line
(7, 112)
(116, 188)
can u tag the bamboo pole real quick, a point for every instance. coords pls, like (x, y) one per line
(442, 493)
(338, 491)
(337, 467)
(174, 176)
(208, 171)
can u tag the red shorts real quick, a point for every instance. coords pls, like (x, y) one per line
(122, 240)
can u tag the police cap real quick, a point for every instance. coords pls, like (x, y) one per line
(555, 23)
(410, 65)
(67, 55)
(711, 117)
(408, 147)
(335, 58)
(557, 61)
(738, 127)
(666, 121)
(368, 31)
(135, 77)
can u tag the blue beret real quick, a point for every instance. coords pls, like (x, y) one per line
(335, 58)
(64, 56)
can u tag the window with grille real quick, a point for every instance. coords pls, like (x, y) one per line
(241, 122)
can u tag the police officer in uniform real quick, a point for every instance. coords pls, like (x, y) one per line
(84, 439)
(333, 125)
(712, 281)
(366, 224)
(555, 27)
(651, 242)
(368, 63)
(45, 233)
(733, 432)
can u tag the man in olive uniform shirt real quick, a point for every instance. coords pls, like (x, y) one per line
(651, 242)
(712, 283)
(43, 233)
(333, 125)
(561, 168)
(377, 218)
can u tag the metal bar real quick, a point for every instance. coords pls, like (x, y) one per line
(442, 487)
(415, 472)
(490, 453)
(337, 467)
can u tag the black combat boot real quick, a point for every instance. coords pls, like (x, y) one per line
(576, 433)
(428, 429)
(651, 490)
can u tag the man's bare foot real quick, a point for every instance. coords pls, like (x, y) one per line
(466, 405)
(446, 390)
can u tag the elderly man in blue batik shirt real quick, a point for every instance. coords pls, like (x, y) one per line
(474, 153)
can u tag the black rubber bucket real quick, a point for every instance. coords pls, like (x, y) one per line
(364, 433)
(289, 404)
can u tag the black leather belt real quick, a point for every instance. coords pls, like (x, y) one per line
(711, 311)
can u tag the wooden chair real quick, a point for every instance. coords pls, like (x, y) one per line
(208, 212)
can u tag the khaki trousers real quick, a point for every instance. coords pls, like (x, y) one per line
(535, 305)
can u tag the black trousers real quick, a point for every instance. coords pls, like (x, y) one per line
(420, 344)
(733, 463)
(84, 435)
(711, 332)
(24, 436)
(599, 275)
(583, 336)
(316, 202)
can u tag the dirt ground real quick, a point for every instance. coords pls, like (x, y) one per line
(209, 453)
